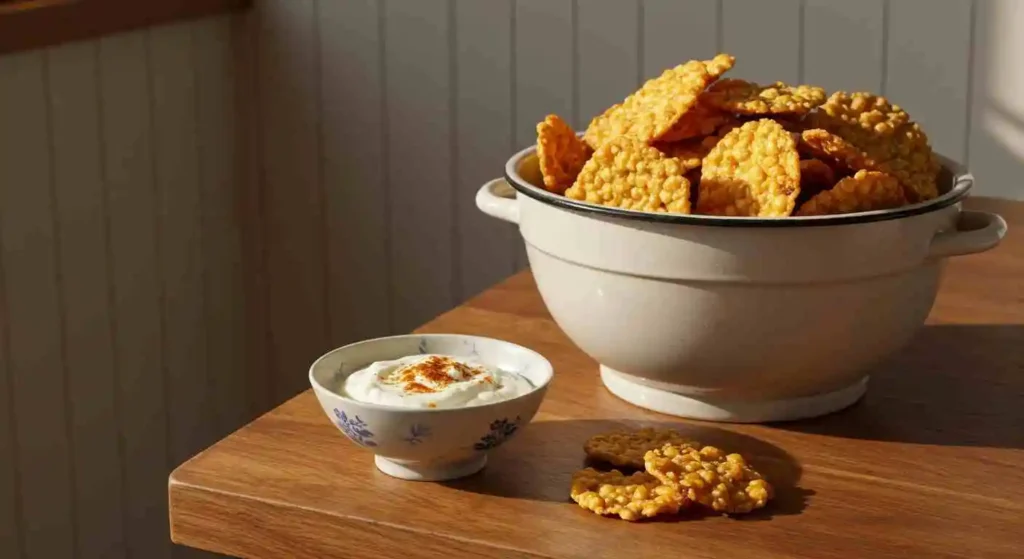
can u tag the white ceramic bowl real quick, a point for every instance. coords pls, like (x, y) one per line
(429, 444)
(731, 318)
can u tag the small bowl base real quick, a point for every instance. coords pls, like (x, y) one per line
(671, 403)
(433, 471)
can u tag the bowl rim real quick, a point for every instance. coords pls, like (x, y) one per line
(539, 387)
(962, 183)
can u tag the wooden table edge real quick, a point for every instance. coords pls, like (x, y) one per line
(231, 512)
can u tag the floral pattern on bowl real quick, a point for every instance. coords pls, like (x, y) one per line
(417, 434)
(354, 428)
(501, 431)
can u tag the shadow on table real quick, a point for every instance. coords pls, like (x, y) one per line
(538, 464)
(955, 385)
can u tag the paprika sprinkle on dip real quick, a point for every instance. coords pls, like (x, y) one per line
(433, 381)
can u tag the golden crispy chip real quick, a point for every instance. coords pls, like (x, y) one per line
(650, 112)
(719, 65)
(864, 191)
(632, 497)
(754, 170)
(710, 477)
(746, 98)
(560, 153)
(626, 449)
(627, 173)
(863, 111)
(691, 152)
(826, 145)
(914, 164)
(701, 120)
(814, 173)
(916, 171)
(815, 176)
(889, 140)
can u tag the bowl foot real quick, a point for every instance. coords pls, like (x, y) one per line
(430, 471)
(671, 403)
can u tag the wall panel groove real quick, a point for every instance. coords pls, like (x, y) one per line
(70, 404)
(210, 411)
(676, 31)
(11, 518)
(29, 243)
(928, 68)
(518, 253)
(110, 300)
(249, 208)
(574, 30)
(883, 87)
(293, 221)
(969, 97)
(764, 37)
(156, 219)
(484, 96)
(131, 194)
(456, 285)
(607, 53)
(385, 156)
(324, 223)
(843, 44)
(85, 261)
(220, 172)
(419, 171)
(179, 237)
(640, 26)
(544, 72)
(353, 161)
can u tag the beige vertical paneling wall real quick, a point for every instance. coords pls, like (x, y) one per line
(190, 214)
(123, 311)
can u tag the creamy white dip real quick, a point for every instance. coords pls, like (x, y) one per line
(433, 381)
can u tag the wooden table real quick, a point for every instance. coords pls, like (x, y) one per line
(929, 464)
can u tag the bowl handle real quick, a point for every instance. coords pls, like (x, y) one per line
(497, 199)
(975, 232)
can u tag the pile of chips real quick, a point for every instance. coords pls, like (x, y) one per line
(671, 473)
(689, 141)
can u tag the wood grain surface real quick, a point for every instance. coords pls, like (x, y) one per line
(929, 464)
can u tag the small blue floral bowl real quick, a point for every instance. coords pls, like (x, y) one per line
(429, 444)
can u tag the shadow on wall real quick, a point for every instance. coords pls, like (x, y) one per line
(996, 155)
